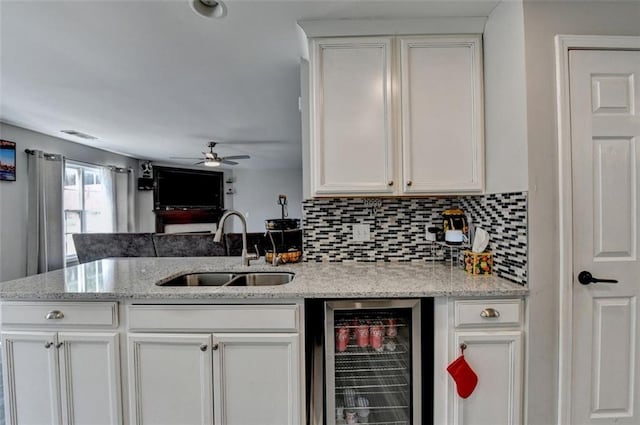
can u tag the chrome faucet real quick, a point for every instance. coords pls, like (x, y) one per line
(246, 258)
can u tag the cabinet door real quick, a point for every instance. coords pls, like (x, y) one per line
(351, 143)
(257, 379)
(31, 383)
(170, 379)
(90, 375)
(442, 119)
(496, 357)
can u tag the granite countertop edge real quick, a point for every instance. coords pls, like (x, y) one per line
(136, 278)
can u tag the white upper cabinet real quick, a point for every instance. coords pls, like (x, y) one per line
(352, 143)
(442, 120)
(396, 115)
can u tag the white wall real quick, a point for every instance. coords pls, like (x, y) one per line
(542, 21)
(13, 195)
(505, 99)
(257, 195)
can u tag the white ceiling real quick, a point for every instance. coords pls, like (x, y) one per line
(151, 79)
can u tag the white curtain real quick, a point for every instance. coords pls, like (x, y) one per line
(122, 188)
(45, 236)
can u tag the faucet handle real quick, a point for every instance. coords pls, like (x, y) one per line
(256, 255)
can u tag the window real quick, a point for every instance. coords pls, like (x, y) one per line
(86, 202)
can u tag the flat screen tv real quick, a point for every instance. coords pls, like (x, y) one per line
(184, 188)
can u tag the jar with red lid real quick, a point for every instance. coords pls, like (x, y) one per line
(362, 335)
(342, 338)
(376, 336)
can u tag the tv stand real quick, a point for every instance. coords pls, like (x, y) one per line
(186, 216)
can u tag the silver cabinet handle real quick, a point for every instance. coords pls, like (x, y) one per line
(54, 315)
(489, 313)
(214, 347)
(409, 183)
(390, 183)
(203, 347)
(48, 345)
(60, 344)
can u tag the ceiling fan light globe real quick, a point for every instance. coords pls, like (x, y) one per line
(212, 163)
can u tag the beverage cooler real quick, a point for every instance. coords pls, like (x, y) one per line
(375, 369)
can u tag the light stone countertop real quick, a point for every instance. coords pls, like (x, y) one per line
(136, 278)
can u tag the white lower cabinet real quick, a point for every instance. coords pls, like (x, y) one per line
(59, 377)
(496, 357)
(257, 379)
(221, 364)
(492, 332)
(170, 379)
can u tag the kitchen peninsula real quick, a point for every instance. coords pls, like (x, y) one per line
(104, 331)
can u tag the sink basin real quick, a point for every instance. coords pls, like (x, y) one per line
(230, 279)
(261, 279)
(199, 279)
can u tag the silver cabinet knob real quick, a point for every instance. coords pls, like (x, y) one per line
(390, 183)
(203, 347)
(60, 344)
(54, 315)
(48, 345)
(409, 182)
(214, 347)
(489, 313)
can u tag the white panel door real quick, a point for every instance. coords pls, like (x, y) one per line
(442, 118)
(170, 379)
(496, 357)
(31, 382)
(605, 129)
(257, 379)
(90, 376)
(352, 143)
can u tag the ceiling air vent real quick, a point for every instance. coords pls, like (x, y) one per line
(78, 134)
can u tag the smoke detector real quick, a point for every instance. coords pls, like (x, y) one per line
(209, 8)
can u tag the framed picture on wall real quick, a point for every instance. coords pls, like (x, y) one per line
(7, 160)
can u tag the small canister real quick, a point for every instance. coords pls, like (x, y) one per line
(362, 335)
(351, 417)
(342, 338)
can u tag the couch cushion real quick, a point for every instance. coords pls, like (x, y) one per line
(187, 245)
(96, 246)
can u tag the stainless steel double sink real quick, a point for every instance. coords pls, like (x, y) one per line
(230, 279)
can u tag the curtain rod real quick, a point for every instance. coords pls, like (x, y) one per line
(49, 156)
(111, 167)
(52, 156)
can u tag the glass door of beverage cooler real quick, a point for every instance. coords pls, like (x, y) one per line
(373, 362)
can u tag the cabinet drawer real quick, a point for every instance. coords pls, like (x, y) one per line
(212, 318)
(491, 313)
(60, 314)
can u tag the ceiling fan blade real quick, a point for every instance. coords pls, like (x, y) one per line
(200, 162)
(182, 157)
(249, 142)
(224, 161)
(237, 157)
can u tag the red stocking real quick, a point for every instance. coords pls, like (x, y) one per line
(465, 378)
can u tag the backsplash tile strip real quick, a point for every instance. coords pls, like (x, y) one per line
(398, 229)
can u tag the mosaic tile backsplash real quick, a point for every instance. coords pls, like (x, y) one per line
(398, 228)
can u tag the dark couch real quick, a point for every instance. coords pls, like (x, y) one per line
(96, 246)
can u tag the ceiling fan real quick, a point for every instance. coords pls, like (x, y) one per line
(211, 159)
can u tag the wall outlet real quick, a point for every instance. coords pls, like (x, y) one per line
(361, 232)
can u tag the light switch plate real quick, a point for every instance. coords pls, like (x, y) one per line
(361, 232)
